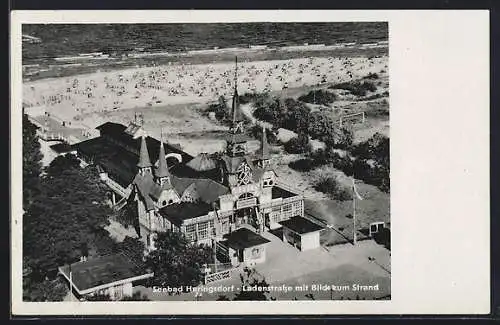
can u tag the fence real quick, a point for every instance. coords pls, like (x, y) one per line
(351, 116)
(218, 276)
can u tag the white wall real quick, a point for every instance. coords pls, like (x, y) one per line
(310, 241)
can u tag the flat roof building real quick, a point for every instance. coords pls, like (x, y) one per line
(111, 275)
(301, 233)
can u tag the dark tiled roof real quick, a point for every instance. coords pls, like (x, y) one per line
(117, 132)
(61, 147)
(185, 171)
(119, 156)
(207, 189)
(101, 271)
(278, 192)
(118, 162)
(300, 225)
(144, 160)
(244, 238)
(232, 163)
(202, 162)
(111, 128)
(149, 190)
(162, 170)
(178, 212)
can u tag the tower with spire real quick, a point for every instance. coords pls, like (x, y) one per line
(263, 156)
(236, 140)
(162, 174)
(144, 165)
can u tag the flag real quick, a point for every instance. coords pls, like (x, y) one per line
(355, 190)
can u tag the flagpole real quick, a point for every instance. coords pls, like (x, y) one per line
(354, 211)
(70, 283)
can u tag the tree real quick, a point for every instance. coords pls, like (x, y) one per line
(46, 290)
(331, 186)
(62, 163)
(133, 248)
(67, 213)
(345, 138)
(250, 278)
(299, 144)
(296, 117)
(32, 162)
(177, 262)
(319, 96)
(320, 125)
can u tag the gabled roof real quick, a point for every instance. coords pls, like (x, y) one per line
(244, 238)
(178, 212)
(202, 162)
(232, 163)
(146, 188)
(207, 189)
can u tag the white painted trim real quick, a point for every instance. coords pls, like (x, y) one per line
(107, 285)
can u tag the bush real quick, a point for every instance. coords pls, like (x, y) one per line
(298, 144)
(302, 165)
(320, 125)
(220, 109)
(256, 132)
(319, 96)
(329, 185)
(376, 148)
(355, 87)
(371, 75)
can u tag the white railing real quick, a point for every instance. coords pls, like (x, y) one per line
(218, 276)
(117, 188)
(120, 204)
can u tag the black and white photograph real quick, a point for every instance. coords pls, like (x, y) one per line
(240, 161)
(251, 162)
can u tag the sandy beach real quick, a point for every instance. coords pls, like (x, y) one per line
(103, 92)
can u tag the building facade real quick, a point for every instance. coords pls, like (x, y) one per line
(206, 197)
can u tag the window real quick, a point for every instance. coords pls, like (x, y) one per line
(170, 201)
(203, 230)
(164, 203)
(191, 232)
(211, 225)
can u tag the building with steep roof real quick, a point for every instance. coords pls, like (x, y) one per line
(207, 197)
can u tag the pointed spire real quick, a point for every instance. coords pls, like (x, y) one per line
(235, 109)
(144, 160)
(162, 170)
(264, 146)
